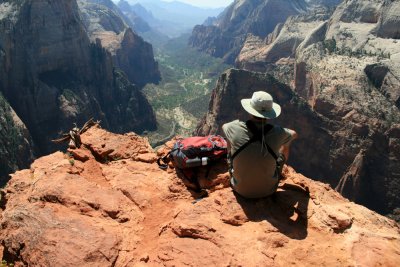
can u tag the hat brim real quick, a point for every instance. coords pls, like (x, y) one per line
(271, 114)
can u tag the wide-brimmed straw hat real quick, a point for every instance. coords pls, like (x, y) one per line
(262, 105)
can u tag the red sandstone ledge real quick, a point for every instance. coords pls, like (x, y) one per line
(108, 204)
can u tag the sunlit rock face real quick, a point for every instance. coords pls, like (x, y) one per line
(225, 37)
(108, 204)
(53, 73)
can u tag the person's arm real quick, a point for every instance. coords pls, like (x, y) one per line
(286, 147)
(225, 130)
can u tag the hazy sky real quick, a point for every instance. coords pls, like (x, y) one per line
(200, 3)
(205, 3)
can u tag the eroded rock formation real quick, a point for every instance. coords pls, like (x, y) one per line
(108, 204)
(389, 19)
(226, 36)
(130, 53)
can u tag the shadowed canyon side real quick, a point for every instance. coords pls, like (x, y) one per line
(57, 68)
(110, 205)
(16, 146)
(130, 53)
(339, 88)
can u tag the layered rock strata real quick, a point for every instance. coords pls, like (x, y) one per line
(130, 53)
(108, 204)
(225, 37)
(52, 75)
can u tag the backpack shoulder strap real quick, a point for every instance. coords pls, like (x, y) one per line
(256, 137)
(165, 160)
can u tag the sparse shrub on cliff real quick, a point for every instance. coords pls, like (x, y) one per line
(395, 215)
(4, 263)
(330, 45)
(71, 96)
(11, 134)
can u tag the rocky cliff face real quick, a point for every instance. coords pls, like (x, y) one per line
(347, 75)
(226, 36)
(52, 74)
(138, 19)
(327, 3)
(130, 53)
(16, 146)
(149, 27)
(388, 24)
(259, 54)
(110, 205)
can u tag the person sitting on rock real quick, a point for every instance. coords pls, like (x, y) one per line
(263, 147)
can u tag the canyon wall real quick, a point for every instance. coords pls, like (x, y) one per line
(54, 72)
(16, 146)
(225, 37)
(130, 53)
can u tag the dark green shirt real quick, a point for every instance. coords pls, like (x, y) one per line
(254, 167)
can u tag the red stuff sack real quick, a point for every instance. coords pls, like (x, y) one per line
(189, 153)
(195, 151)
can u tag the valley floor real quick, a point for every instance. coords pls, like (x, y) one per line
(181, 99)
